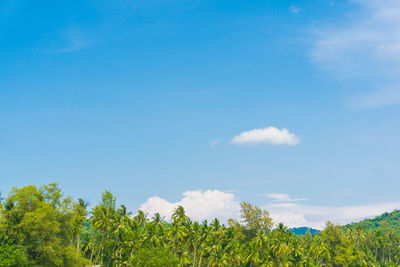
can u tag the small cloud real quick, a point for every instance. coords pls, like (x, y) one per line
(294, 9)
(280, 197)
(233, 191)
(269, 135)
(73, 40)
(70, 40)
(215, 142)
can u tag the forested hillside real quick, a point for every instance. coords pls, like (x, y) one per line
(388, 220)
(304, 230)
(39, 226)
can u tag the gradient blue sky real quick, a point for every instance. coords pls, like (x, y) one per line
(130, 95)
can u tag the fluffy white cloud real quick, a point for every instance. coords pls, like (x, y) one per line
(366, 47)
(269, 135)
(199, 205)
(283, 197)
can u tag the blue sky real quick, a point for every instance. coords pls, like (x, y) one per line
(145, 98)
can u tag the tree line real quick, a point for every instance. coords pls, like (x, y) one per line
(39, 226)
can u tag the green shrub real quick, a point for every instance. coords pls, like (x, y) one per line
(154, 257)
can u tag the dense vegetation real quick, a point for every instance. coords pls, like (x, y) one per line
(39, 226)
(386, 220)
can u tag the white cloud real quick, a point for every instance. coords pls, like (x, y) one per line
(283, 197)
(215, 142)
(269, 135)
(297, 215)
(294, 9)
(199, 205)
(210, 204)
(364, 48)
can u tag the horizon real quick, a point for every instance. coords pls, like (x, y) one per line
(290, 106)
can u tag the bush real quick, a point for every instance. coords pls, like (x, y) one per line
(11, 255)
(154, 257)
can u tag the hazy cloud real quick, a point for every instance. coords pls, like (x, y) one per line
(364, 48)
(215, 142)
(283, 197)
(70, 40)
(294, 9)
(384, 97)
(297, 215)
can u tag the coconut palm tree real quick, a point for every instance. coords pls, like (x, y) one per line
(102, 220)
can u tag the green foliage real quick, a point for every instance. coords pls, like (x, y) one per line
(11, 255)
(154, 257)
(39, 220)
(42, 227)
(386, 220)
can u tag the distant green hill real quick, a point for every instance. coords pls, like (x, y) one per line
(389, 220)
(303, 230)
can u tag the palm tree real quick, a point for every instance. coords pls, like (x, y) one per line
(236, 253)
(214, 241)
(179, 214)
(319, 251)
(176, 233)
(102, 220)
(119, 224)
(80, 214)
(134, 234)
(203, 236)
(257, 245)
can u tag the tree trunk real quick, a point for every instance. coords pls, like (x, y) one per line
(201, 257)
(78, 238)
(194, 257)
(91, 255)
(132, 251)
(209, 262)
(115, 245)
(101, 244)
